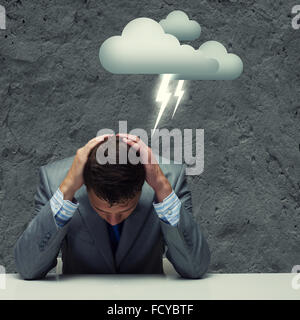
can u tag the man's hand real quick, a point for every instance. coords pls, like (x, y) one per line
(154, 175)
(74, 178)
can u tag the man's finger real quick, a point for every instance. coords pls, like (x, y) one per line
(100, 138)
(133, 138)
(93, 142)
(104, 136)
(134, 144)
(129, 136)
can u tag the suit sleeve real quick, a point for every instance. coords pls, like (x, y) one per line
(187, 248)
(37, 248)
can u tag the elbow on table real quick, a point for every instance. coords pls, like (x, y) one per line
(201, 268)
(198, 274)
(25, 275)
(23, 269)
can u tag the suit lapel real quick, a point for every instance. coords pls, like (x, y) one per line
(134, 223)
(97, 227)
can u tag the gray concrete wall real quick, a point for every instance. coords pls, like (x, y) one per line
(54, 96)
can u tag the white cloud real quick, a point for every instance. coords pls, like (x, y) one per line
(179, 25)
(145, 48)
(230, 65)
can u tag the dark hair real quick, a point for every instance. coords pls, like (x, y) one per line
(114, 183)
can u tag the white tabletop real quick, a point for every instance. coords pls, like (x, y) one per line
(152, 287)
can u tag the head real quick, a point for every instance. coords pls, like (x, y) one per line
(113, 189)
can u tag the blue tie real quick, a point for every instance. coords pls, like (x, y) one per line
(114, 233)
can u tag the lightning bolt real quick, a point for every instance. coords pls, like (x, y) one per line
(163, 96)
(178, 93)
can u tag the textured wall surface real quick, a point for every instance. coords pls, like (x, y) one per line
(55, 96)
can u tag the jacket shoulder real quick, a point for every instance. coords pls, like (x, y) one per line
(56, 171)
(171, 169)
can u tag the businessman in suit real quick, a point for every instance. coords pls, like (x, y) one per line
(112, 218)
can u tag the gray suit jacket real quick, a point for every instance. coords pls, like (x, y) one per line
(85, 243)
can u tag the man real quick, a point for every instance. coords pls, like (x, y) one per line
(121, 219)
